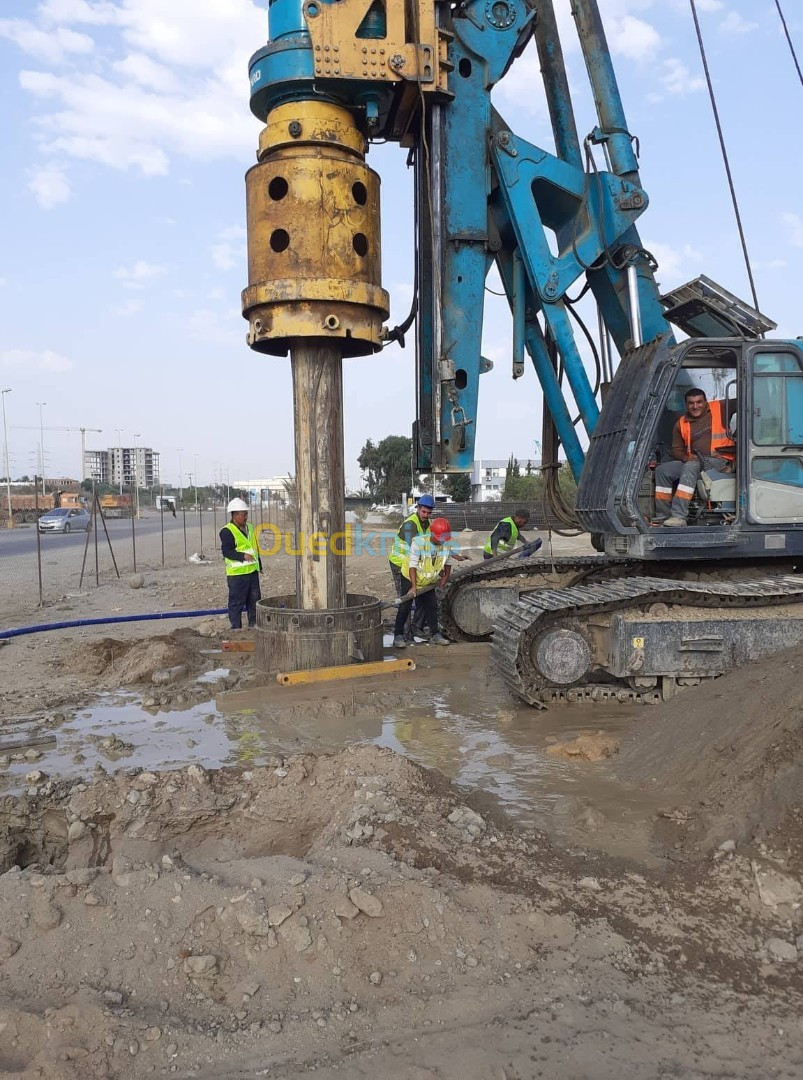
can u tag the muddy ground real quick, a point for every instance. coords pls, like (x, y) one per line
(413, 878)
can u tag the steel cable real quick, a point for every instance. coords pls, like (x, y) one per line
(724, 150)
(789, 40)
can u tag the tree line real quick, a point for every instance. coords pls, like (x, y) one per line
(388, 469)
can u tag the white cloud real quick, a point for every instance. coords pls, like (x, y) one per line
(674, 264)
(148, 73)
(229, 250)
(49, 185)
(707, 5)
(633, 38)
(169, 82)
(772, 264)
(78, 11)
(678, 80)
(45, 360)
(128, 308)
(794, 222)
(734, 23)
(135, 276)
(52, 46)
(3, 281)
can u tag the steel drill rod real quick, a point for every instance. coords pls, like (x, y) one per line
(320, 475)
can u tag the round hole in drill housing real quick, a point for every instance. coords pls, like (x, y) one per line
(464, 67)
(279, 240)
(461, 378)
(360, 244)
(360, 192)
(278, 188)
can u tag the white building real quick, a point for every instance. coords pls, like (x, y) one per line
(272, 487)
(488, 478)
(127, 465)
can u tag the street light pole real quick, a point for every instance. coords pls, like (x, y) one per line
(137, 435)
(10, 522)
(41, 405)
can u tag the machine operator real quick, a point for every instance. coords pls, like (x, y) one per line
(700, 440)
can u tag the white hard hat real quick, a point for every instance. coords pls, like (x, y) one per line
(236, 504)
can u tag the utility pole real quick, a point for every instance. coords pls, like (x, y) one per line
(41, 405)
(180, 450)
(10, 522)
(136, 472)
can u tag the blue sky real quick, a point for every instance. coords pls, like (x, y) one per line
(126, 133)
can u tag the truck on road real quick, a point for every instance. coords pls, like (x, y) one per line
(28, 506)
(116, 506)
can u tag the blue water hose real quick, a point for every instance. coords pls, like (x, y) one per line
(42, 628)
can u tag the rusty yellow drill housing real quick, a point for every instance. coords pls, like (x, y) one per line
(314, 259)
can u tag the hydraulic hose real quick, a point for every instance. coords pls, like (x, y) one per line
(41, 628)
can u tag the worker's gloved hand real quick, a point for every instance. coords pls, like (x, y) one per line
(531, 548)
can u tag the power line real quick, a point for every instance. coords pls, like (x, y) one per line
(724, 150)
(789, 39)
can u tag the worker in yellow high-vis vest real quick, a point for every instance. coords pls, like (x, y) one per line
(417, 524)
(240, 550)
(507, 534)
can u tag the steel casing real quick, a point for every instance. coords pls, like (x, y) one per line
(314, 252)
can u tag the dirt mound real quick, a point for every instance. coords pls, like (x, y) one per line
(126, 663)
(302, 914)
(728, 754)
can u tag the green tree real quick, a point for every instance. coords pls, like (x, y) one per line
(458, 485)
(386, 465)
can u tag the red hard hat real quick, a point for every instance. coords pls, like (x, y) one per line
(441, 529)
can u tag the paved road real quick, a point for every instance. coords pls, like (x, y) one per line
(21, 541)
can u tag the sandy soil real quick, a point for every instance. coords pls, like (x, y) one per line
(352, 913)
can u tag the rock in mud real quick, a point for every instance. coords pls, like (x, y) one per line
(253, 922)
(8, 946)
(344, 908)
(775, 888)
(201, 965)
(465, 818)
(169, 675)
(782, 952)
(367, 903)
(588, 747)
(278, 913)
(298, 936)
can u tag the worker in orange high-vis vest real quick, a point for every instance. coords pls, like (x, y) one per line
(700, 440)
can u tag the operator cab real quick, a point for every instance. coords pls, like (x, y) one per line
(713, 370)
(755, 511)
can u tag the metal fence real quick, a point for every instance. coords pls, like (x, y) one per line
(40, 568)
(482, 516)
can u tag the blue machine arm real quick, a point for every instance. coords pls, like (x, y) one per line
(503, 205)
(484, 194)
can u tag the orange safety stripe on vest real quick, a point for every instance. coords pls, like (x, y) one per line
(721, 442)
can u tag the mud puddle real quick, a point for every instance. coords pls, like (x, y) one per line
(501, 752)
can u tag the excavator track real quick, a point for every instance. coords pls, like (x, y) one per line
(517, 576)
(549, 628)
